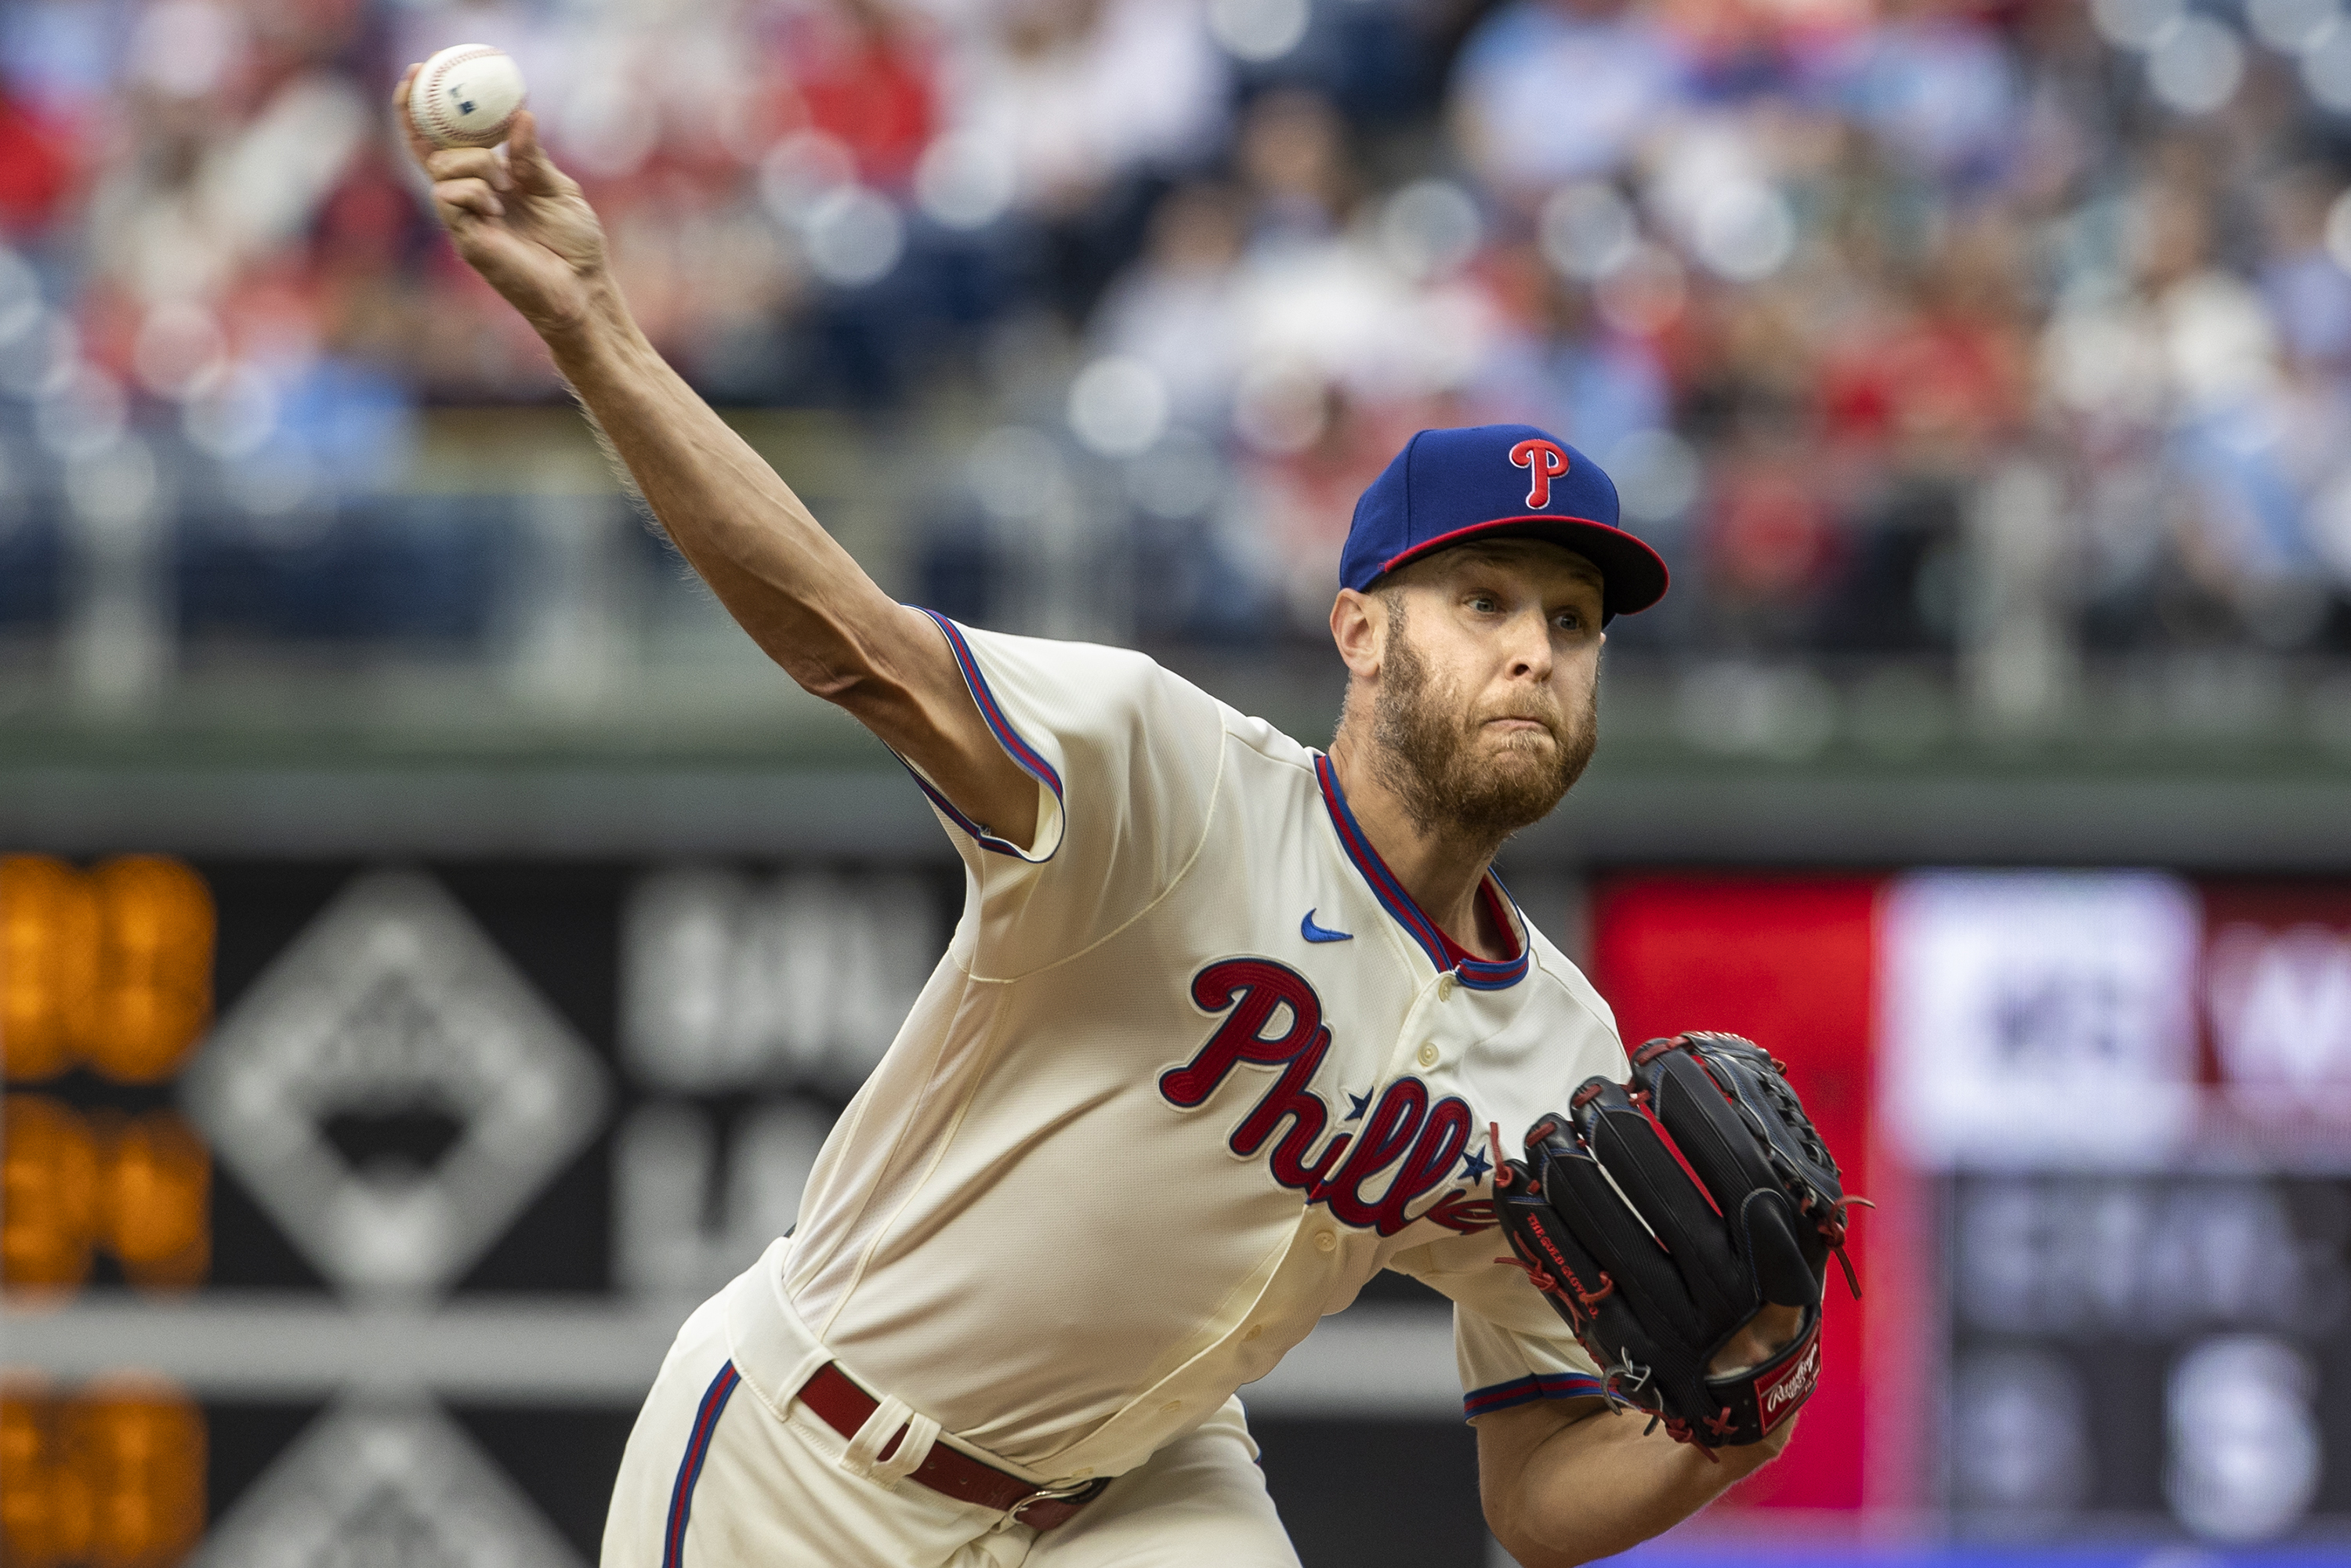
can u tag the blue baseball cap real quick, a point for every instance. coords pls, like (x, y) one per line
(1497, 481)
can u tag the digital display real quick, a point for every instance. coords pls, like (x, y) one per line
(398, 1239)
(2109, 1277)
(2150, 1344)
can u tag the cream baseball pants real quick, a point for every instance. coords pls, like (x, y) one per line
(725, 1469)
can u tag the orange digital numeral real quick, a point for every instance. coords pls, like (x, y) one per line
(48, 965)
(48, 1194)
(154, 970)
(111, 967)
(154, 1207)
(139, 1186)
(110, 1477)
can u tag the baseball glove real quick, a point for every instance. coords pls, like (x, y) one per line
(1655, 1271)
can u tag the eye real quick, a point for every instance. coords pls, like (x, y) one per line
(1483, 603)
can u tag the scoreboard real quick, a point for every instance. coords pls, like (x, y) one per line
(2136, 1091)
(397, 1234)
(2148, 1346)
(2107, 1118)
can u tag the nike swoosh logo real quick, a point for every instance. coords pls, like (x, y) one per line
(1313, 933)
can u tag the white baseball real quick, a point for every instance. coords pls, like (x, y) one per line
(466, 96)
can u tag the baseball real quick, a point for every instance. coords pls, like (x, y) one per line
(466, 96)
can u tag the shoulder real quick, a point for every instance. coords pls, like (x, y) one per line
(1261, 739)
(1074, 685)
(1049, 656)
(1092, 676)
(1118, 703)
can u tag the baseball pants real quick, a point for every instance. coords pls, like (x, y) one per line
(725, 1469)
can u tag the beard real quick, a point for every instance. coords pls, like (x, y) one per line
(1427, 750)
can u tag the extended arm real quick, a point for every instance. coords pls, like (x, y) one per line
(1564, 1482)
(524, 225)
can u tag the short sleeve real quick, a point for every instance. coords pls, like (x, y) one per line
(1127, 757)
(1510, 1346)
(1503, 1366)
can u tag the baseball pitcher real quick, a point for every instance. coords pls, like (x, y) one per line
(1227, 1025)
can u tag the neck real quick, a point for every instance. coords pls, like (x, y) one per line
(1441, 871)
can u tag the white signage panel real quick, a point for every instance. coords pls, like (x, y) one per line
(2040, 1018)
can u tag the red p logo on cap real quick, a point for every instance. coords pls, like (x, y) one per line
(1543, 462)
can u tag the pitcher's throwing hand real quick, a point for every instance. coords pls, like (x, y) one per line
(516, 219)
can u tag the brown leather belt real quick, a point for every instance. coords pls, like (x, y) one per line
(845, 1407)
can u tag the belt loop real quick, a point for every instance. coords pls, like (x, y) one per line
(912, 1450)
(864, 1455)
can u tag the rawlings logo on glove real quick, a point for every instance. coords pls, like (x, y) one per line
(1656, 1274)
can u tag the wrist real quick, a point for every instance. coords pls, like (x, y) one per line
(1749, 1458)
(598, 337)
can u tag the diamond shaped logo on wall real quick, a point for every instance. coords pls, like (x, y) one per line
(393, 1091)
(390, 1487)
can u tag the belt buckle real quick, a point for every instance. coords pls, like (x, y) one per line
(1076, 1491)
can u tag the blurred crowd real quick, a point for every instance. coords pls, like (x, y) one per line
(2019, 328)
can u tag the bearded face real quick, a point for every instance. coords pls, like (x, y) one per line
(1455, 777)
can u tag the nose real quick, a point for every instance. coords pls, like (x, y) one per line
(1529, 636)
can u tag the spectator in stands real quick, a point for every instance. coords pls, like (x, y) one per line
(1316, 295)
(1932, 83)
(864, 73)
(1340, 355)
(2171, 370)
(1555, 361)
(1547, 91)
(1297, 167)
(1083, 93)
(2303, 284)
(1176, 308)
(1091, 105)
(1300, 476)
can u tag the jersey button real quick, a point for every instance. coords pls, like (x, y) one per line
(1429, 1054)
(1326, 1241)
(1171, 1408)
(1444, 984)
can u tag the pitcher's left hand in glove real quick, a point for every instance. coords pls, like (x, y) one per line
(1655, 1279)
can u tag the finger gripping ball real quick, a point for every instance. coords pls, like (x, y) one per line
(466, 96)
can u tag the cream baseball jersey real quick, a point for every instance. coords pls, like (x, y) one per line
(1194, 1067)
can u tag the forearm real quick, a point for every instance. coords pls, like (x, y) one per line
(1600, 1486)
(525, 227)
(798, 595)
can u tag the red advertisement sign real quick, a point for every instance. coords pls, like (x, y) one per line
(1787, 962)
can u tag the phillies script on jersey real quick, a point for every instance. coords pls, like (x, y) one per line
(1416, 1143)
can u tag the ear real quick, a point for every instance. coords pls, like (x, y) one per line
(1359, 626)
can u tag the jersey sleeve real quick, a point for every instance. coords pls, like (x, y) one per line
(1511, 1347)
(1126, 757)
